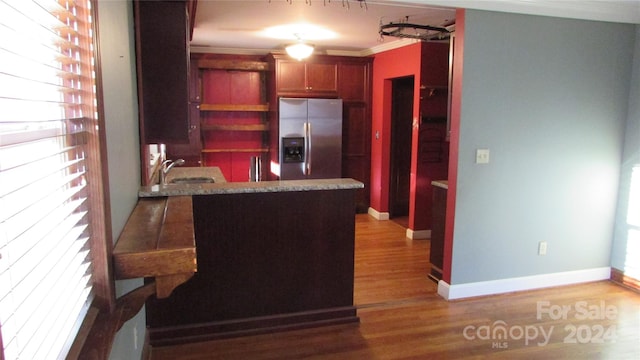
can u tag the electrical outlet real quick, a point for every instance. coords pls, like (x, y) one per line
(542, 248)
(482, 156)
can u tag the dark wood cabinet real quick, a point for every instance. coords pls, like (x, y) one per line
(353, 85)
(355, 91)
(306, 78)
(190, 152)
(436, 253)
(163, 70)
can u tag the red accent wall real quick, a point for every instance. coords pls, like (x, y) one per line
(388, 65)
(428, 63)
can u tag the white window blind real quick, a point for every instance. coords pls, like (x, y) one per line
(47, 118)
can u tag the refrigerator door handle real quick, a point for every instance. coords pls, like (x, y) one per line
(308, 158)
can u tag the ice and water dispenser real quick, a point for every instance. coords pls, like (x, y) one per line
(293, 149)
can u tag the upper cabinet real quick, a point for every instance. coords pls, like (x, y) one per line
(162, 52)
(306, 78)
(354, 80)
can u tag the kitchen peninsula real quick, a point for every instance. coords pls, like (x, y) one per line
(271, 255)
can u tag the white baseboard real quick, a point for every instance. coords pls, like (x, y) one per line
(418, 234)
(378, 215)
(493, 287)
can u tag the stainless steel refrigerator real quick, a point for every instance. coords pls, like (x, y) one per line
(310, 138)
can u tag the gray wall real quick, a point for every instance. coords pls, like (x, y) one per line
(549, 98)
(115, 19)
(630, 158)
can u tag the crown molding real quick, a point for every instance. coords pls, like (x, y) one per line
(220, 50)
(386, 46)
(620, 11)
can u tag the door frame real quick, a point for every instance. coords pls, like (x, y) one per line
(405, 84)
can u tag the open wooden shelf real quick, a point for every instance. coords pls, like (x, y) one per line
(234, 107)
(263, 150)
(234, 127)
(234, 113)
(233, 65)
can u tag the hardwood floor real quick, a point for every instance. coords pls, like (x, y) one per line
(402, 317)
(388, 266)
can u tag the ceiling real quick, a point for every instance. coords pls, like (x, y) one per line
(232, 26)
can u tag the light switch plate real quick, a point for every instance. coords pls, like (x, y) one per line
(542, 248)
(482, 156)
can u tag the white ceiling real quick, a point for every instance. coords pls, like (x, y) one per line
(232, 26)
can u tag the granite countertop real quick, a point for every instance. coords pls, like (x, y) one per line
(191, 172)
(444, 184)
(220, 186)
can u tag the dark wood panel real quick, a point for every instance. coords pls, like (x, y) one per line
(436, 253)
(357, 167)
(356, 130)
(435, 64)
(163, 70)
(356, 158)
(195, 82)
(268, 254)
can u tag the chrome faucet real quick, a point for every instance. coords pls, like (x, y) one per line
(166, 166)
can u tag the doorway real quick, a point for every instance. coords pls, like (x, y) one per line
(400, 160)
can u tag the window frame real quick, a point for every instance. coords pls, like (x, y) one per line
(101, 240)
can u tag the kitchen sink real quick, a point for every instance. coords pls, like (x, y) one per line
(192, 180)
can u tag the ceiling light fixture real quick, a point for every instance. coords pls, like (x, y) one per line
(299, 50)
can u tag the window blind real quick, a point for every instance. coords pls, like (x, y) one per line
(47, 122)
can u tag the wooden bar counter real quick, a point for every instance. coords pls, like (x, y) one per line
(271, 256)
(158, 241)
